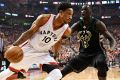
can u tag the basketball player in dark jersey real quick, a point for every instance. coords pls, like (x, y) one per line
(90, 51)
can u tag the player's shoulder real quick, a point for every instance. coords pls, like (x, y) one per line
(68, 31)
(99, 22)
(100, 25)
(67, 27)
(44, 17)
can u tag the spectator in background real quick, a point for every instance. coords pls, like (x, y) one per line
(1, 48)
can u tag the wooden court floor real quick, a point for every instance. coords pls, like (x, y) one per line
(88, 74)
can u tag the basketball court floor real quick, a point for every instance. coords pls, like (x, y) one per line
(88, 74)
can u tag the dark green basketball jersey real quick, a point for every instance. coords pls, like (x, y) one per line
(89, 36)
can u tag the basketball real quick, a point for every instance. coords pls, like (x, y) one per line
(14, 54)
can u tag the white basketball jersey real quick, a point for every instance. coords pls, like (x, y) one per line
(46, 37)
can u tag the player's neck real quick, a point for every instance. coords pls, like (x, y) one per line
(87, 20)
(57, 23)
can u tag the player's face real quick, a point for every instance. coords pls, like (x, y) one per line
(67, 15)
(85, 11)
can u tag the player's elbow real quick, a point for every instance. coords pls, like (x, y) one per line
(112, 42)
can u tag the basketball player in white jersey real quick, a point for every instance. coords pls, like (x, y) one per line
(46, 31)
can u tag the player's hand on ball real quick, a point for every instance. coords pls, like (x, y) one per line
(14, 54)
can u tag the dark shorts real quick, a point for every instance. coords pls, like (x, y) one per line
(81, 62)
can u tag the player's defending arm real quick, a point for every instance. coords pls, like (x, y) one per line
(40, 21)
(75, 27)
(103, 30)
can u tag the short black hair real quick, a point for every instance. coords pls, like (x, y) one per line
(64, 6)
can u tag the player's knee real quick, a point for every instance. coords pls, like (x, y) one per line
(58, 74)
(55, 74)
(101, 65)
(102, 68)
(102, 73)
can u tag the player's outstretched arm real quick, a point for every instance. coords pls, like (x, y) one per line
(103, 30)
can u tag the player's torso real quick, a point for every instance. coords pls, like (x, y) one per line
(46, 37)
(89, 37)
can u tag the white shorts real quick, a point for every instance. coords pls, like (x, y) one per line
(31, 56)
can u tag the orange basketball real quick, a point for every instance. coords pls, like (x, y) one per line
(14, 54)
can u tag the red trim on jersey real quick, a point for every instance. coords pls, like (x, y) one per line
(13, 69)
(16, 70)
